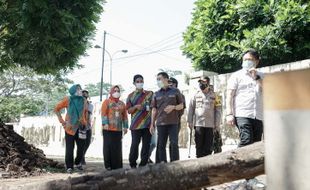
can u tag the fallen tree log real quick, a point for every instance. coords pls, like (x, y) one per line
(246, 162)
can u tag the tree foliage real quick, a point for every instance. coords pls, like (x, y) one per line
(46, 35)
(94, 89)
(24, 92)
(222, 29)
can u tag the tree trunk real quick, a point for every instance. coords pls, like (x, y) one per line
(241, 163)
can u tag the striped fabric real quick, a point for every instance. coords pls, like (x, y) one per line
(140, 119)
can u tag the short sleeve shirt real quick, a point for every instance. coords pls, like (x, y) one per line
(248, 97)
(161, 99)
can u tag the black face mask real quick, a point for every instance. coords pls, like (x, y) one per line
(203, 86)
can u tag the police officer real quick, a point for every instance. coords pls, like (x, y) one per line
(204, 115)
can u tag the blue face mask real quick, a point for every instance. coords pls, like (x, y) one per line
(248, 64)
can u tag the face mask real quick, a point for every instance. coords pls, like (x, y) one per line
(203, 86)
(116, 95)
(248, 64)
(139, 85)
(160, 84)
(78, 93)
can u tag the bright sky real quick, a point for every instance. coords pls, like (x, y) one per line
(143, 28)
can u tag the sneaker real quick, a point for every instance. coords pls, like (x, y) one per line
(69, 170)
(79, 167)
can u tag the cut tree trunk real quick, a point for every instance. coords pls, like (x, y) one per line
(246, 162)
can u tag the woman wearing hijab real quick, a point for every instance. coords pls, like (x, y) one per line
(74, 125)
(114, 122)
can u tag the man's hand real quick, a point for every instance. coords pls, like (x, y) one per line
(139, 107)
(191, 126)
(169, 109)
(253, 73)
(152, 129)
(230, 120)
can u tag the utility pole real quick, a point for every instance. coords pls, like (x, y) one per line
(103, 51)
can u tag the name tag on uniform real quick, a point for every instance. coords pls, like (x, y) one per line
(117, 114)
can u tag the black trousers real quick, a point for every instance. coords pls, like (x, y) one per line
(204, 141)
(165, 131)
(112, 149)
(87, 143)
(250, 130)
(137, 135)
(70, 141)
(170, 146)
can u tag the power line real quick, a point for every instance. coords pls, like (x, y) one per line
(150, 52)
(137, 55)
(148, 48)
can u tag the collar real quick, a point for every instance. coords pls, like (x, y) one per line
(167, 89)
(138, 91)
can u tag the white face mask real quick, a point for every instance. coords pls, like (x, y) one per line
(78, 93)
(139, 85)
(116, 95)
(248, 64)
(160, 84)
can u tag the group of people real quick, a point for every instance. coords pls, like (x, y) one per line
(155, 117)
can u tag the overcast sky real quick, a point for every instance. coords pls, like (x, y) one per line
(142, 27)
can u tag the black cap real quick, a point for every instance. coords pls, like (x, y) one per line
(136, 77)
(173, 80)
(204, 79)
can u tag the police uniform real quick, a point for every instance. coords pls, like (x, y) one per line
(204, 113)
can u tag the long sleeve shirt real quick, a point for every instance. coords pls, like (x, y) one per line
(114, 115)
(64, 103)
(140, 119)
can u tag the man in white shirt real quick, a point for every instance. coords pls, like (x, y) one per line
(244, 100)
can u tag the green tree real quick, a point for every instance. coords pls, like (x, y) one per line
(222, 29)
(94, 89)
(12, 107)
(46, 35)
(24, 92)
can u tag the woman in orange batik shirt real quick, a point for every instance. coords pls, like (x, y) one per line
(114, 122)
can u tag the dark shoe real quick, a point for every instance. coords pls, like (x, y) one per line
(150, 161)
(69, 170)
(109, 168)
(79, 167)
